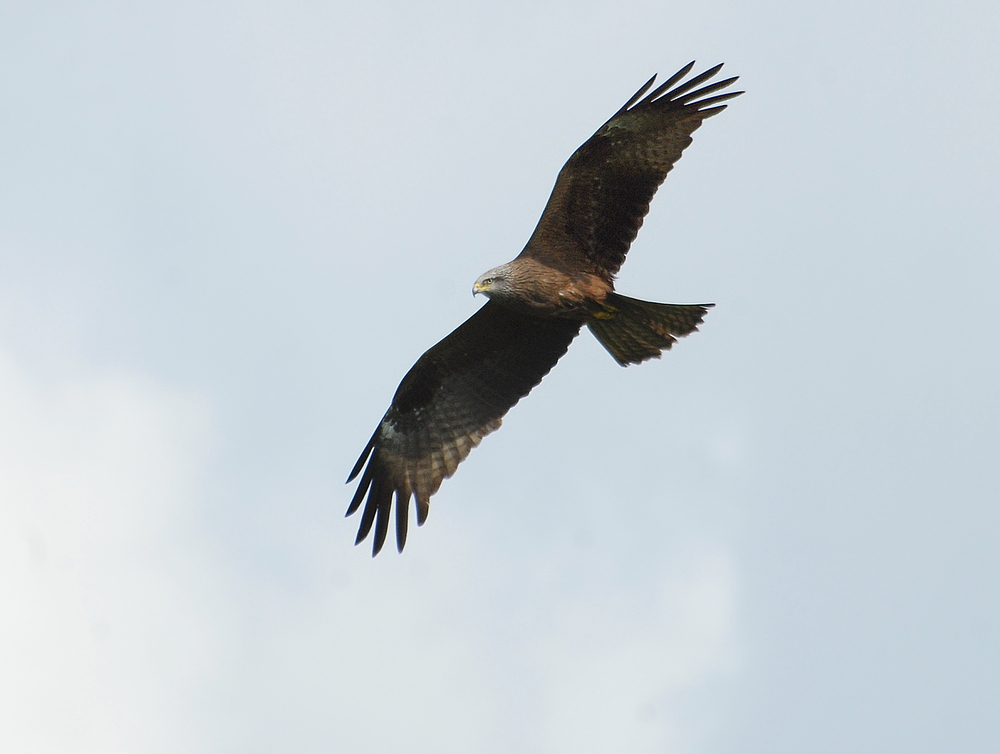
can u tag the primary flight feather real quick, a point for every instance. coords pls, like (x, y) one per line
(459, 390)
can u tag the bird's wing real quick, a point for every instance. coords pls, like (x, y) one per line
(604, 190)
(453, 396)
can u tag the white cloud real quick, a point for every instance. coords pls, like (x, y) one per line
(121, 632)
(101, 585)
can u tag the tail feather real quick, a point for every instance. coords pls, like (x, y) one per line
(634, 331)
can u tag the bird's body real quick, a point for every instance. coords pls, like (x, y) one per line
(459, 390)
(538, 289)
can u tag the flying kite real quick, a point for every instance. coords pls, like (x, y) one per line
(459, 390)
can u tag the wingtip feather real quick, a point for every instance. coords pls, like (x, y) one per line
(635, 97)
(364, 456)
(382, 503)
(371, 508)
(423, 508)
(402, 519)
(690, 84)
(359, 493)
(669, 82)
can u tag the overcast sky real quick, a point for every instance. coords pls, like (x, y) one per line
(228, 229)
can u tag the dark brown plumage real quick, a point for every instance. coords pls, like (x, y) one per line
(460, 389)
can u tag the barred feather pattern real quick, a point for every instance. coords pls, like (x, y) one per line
(642, 330)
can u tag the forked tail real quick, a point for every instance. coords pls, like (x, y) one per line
(634, 330)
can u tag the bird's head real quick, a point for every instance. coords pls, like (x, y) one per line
(495, 282)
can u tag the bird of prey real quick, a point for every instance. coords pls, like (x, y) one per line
(459, 390)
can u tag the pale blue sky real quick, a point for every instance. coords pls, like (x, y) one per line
(228, 229)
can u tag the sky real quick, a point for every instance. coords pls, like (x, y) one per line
(228, 229)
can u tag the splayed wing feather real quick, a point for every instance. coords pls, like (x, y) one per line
(704, 91)
(402, 516)
(635, 97)
(665, 85)
(692, 83)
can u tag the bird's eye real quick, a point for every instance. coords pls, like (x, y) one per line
(488, 281)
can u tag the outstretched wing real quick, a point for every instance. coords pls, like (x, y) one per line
(453, 396)
(604, 190)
